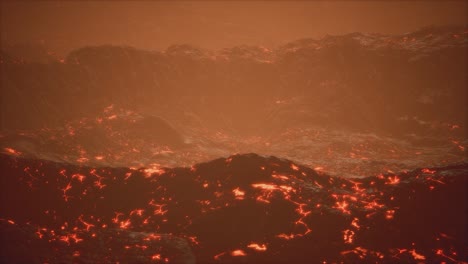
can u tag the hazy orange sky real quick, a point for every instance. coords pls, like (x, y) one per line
(66, 25)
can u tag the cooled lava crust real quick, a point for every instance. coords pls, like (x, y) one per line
(242, 209)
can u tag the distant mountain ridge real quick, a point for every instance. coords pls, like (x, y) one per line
(363, 72)
(422, 70)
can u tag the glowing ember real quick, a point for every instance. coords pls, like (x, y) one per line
(125, 224)
(238, 253)
(280, 177)
(216, 257)
(153, 169)
(82, 160)
(257, 247)
(416, 255)
(428, 171)
(342, 206)
(440, 252)
(355, 223)
(65, 190)
(348, 236)
(393, 180)
(389, 214)
(12, 151)
(138, 212)
(287, 237)
(294, 167)
(238, 193)
(86, 224)
(79, 177)
(158, 208)
(265, 186)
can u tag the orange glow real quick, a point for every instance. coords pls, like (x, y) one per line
(125, 224)
(319, 168)
(294, 167)
(359, 251)
(64, 190)
(82, 160)
(342, 206)
(112, 117)
(238, 193)
(417, 256)
(280, 177)
(70, 238)
(99, 184)
(355, 223)
(428, 171)
(263, 200)
(153, 169)
(389, 214)
(393, 180)
(373, 205)
(257, 247)
(238, 253)
(86, 224)
(216, 257)
(440, 252)
(318, 185)
(158, 208)
(12, 151)
(286, 236)
(265, 186)
(348, 236)
(138, 212)
(79, 177)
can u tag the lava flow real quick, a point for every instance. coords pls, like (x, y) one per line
(220, 211)
(233, 132)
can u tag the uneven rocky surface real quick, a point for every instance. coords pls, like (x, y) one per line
(243, 209)
(354, 105)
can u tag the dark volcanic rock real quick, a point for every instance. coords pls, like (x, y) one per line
(29, 244)
(245, 208)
